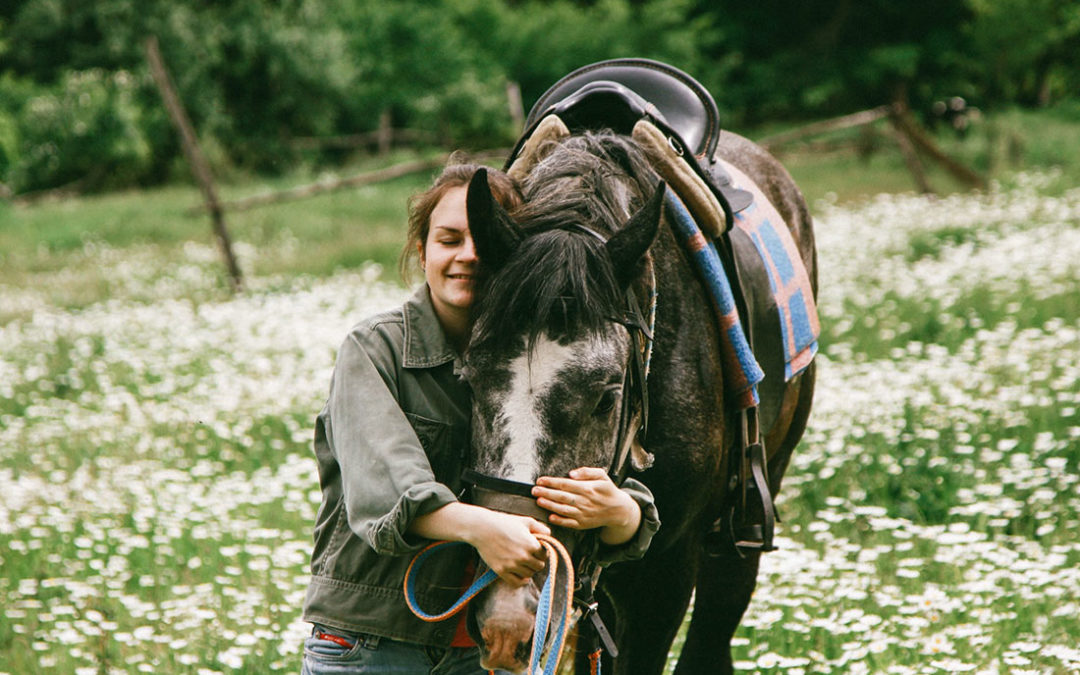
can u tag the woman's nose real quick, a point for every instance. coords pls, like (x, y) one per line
(468, 251)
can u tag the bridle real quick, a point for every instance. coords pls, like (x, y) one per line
(504, 494)
(509, 495)
(515, 497)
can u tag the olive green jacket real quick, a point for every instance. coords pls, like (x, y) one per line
(390, 444)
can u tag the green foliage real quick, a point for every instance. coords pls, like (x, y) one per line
(1029, 47)
(430, 65)
(86, 128)
(254, 75)
(542, 41)
(792, 59)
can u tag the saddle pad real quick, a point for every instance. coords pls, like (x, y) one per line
(788, 279)
(741, 370)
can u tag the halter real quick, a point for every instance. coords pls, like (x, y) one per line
(515, 497)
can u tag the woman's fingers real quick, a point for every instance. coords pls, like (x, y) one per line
(509, 546)
(589, 473)
(585, 499)
(536, 527)
(514, 579)
(557, 484)
(555, 500)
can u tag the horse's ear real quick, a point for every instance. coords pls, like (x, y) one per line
(494, 233)
(627, 246)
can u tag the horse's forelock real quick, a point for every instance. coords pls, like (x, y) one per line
(600, 176)
(560, 280)
(558, 283)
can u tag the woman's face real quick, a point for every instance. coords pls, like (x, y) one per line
(449, 258)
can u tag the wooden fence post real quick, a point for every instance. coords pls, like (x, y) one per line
(906, 126)
(199, 168)
(513, 101)
(911, 158)
(385, 133)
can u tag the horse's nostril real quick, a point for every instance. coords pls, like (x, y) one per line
(521, 654)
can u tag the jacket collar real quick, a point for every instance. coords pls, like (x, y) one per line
(425, 342)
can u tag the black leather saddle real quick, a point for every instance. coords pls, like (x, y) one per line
(617, 93)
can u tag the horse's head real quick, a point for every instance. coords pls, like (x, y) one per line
(550, 353)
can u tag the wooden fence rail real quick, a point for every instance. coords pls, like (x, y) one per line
(358, 180)
(908, 135)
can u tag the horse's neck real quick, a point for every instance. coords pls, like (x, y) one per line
(686, 326)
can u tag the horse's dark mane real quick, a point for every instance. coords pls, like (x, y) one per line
(559, 281)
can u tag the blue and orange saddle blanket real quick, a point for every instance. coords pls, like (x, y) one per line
(788, 280)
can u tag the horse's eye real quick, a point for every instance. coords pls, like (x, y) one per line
(607, 401)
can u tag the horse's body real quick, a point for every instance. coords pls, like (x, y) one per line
(691, 428)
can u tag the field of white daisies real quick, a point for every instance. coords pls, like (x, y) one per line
(157, 486)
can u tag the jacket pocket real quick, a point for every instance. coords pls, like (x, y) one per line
(444, 445)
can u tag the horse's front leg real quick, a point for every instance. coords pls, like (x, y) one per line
(724, 587)
(646, 602)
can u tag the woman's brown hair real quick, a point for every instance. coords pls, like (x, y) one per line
(455, 174)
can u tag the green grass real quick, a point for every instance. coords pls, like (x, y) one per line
(315, 236)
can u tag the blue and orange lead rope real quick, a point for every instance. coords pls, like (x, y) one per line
(542, 631)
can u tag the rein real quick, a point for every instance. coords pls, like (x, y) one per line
(543, 631)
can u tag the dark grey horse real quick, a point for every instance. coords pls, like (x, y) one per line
(546, 364)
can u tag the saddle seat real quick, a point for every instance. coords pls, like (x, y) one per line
(617, 93)
(600, 93)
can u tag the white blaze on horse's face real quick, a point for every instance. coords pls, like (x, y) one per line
(531, 378)
(556, 407)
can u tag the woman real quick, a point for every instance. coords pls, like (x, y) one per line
(390, 444)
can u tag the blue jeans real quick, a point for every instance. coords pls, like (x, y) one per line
(371, 655)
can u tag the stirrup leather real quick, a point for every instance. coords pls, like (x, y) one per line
(748, 474)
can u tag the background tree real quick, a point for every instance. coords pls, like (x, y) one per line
(1030, 49)
(77, 104)
(793, 59)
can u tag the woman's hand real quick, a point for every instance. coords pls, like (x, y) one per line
(588, 499)
(508, 544)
